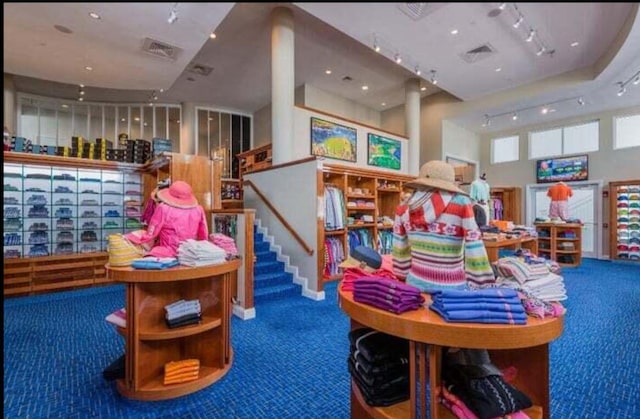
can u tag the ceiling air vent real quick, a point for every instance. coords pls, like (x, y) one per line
(201, 69)
(417, 11)
(479, 53)
(160, 49)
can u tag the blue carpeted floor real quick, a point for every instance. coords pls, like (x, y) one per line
(290, 362)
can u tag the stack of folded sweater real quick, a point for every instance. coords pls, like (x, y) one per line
(492, 305)
(379, 366)
(176, 372)
(351, 275)
(474, 388)
(224, 242)
(387, 294)
(182, 313)
(200, 253)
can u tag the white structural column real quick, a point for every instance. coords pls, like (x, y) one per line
(412, 123)
(10, 119)
(282, 84)
(187, 128)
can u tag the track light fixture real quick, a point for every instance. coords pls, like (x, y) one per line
(417, 70)
(397, 58)
(634, 79)
(517, 113)
(502, 6)
(433, 79)
(173, 15)
(530, 34)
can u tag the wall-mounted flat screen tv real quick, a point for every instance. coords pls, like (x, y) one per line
(566, 169)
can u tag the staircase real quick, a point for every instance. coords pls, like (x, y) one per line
(270, 281)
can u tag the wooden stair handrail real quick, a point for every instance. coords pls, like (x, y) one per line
(284, 222)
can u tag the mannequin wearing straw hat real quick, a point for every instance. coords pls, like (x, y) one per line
(436, 241)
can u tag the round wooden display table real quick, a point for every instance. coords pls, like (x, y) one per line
(150, 343)
(524, 347)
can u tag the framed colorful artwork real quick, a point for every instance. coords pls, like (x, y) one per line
(332, 140)
(383, 152)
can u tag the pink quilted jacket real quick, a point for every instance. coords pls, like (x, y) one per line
(171, 226)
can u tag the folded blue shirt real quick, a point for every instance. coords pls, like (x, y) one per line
(154, 263)
(501, 292)
(494, 307)
(480, 316)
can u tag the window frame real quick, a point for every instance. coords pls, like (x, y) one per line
(615, 131)
(562, 136)
(493, 142)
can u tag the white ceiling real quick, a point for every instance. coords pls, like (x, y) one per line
(338, 36)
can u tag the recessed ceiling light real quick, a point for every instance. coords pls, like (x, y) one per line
(88, 68)
(422, 89)
(64, 105)
(123, 120)
(62, 29)
(383, 104)
(82, 86)
(94, 15)
(136, 119)
(161, 90)
(81, 92)
(80, 99)
(327, 71)
(544, 110)
(212, 35)
(365, 87)
(499, 69)
(575, 44)
(145, 124)
(454, 32)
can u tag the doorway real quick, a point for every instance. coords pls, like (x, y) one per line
(466, 171)
(585, 205)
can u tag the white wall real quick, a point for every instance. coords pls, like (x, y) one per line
(459, 142)
(328, 102)
(292, 191)
(10, 119)
(302, 141)
(262, 126)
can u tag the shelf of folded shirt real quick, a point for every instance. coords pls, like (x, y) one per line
(522, 346)
(364, 225)
(333, 232)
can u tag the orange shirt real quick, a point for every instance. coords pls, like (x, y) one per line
(559, 192)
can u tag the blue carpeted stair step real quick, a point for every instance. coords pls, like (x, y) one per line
(276, 292)
(258, 237)
(260, 246)
(272, 279)
(268, 267)
(266, 256)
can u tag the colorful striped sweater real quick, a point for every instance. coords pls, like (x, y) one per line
(437, 243)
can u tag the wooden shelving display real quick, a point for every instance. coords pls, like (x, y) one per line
(150, 344)
(560, 242)
(511, 198)
(524, 347)
(624, 220)
(373, 194)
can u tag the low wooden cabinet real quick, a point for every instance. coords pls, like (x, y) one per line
(526, 347)
(150, 344)
(560, 242)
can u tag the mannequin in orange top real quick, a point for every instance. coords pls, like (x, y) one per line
(559, 194)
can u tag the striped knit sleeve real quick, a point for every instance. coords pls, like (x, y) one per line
(476, 262)
(400, 251)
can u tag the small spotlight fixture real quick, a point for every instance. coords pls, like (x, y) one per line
(514, 116)
(64, 105)
(376, 46)
(327, 71)
(417, 70)
(487, 121)
(622, 90)
(173, 15)
(80, 99)
(397, 58)
(433, 77)
(212, 35)
(541, 51)
(94, 15)
(123, 120)
(544, 110)
(81, 92)
(634, 80)
(423, 88)
(365, 87)
(88, 68)
(502, 6)
(532, 33)
(575, 44)
(155, 97)
(517, 23)
(383, 104)
(137, 119)
(161, 90)
(580, 101)
(82, 86)
(499, 69)
(454, 32)
(150, 103)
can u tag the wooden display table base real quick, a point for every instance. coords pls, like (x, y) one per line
(493, 246)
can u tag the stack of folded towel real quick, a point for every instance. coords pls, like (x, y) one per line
(535, 279)
(493, 305)
(379, 366)
(176, 372)
(200, 253)
(387, 294)
(183, 313)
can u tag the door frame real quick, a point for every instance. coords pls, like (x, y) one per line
(530, 187)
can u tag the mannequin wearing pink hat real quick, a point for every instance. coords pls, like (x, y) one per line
(176, 218)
